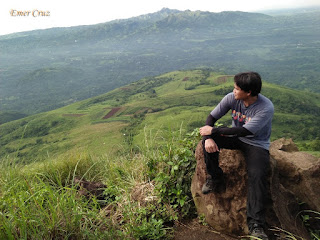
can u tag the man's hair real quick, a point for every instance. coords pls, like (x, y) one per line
(249, 82)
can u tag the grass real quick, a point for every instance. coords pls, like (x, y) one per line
(40, 204)
(154, 102)
(40, 200)
(144, 143)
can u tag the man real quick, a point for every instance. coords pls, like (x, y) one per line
(250, 132)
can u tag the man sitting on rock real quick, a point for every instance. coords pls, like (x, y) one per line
(250, 132)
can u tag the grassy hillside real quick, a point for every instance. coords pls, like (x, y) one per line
(118, 121)
(10, 116)
(138, 141)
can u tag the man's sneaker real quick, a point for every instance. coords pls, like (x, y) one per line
(217, 186)
(258, 233)
(208, 186)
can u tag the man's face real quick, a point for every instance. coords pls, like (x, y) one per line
(239, 94)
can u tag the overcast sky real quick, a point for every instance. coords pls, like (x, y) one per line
(65, 13)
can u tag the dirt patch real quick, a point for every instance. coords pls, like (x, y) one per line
(72, 115)
(111, 113)
(144, 193)
(193, 230)
(90, 189)
(223, 79)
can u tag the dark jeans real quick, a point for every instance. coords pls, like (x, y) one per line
(257, 162)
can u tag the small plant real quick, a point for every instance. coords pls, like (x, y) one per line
(311, 218)
(202, 220)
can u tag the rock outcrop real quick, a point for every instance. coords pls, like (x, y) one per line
(299, 172)
(226, 212)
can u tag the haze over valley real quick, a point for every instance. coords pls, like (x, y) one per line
(46, 69)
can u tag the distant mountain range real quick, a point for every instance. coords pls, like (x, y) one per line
(46, 69)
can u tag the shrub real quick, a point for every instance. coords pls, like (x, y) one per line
(174, 181)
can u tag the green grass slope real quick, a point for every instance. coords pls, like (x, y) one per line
(138, 141)
(10, 116)
(120, 119)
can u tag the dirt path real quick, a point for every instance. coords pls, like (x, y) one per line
(193, 230)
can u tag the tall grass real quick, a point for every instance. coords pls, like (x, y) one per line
(147, 190)
(41, 200)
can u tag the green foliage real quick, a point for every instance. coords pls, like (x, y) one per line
(313, 145)
(81, 125)
(40, 200)
(32, 133)
(10, 116)
(310, 219)
(32, 209)
(131, 130)
(174, 181)
(223, 91)
(146, 222)
(202, 220)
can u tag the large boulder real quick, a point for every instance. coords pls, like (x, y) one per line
(226, 212)
(298, 171)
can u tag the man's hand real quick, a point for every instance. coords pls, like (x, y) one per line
(211, 146)
(206, 130)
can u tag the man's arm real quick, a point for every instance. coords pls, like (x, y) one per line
(234, 131)
(209, 122)
(208, 131)
(220, 110)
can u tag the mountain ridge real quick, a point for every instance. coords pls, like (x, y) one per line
(92, 60)
(163, 14)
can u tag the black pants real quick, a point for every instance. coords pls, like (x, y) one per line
(257, 161)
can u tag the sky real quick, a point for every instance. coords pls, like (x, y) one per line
(25, 15)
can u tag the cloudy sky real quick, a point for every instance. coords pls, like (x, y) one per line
(40, 14)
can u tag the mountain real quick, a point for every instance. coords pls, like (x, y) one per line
(46, 69)
(133, 116)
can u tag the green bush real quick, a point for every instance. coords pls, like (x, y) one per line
(174, 181)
